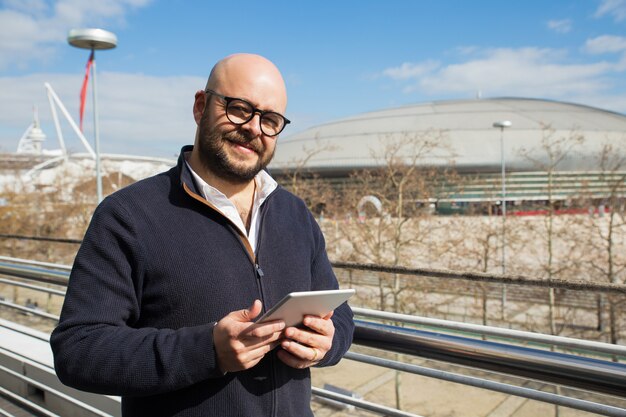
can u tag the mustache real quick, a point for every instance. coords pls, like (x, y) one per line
(241, 139)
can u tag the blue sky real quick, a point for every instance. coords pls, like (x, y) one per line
(338, 58)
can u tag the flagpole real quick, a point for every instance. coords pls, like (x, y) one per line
(94, 39)
(95, 127)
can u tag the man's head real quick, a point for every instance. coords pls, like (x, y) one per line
(227, 149)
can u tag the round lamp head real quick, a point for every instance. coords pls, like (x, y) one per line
(502, 124)
(92, 39)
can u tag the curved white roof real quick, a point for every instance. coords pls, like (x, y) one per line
(466, 128)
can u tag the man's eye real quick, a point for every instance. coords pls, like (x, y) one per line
(271, 120)
(241, 108)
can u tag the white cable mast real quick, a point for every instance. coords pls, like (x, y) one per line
(57, 100)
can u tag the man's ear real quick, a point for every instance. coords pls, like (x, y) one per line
(198, 105)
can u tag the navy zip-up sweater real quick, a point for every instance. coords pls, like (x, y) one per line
(157, 268)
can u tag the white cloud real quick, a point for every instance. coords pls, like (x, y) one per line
(35, 7)
(616, 8)
(36, 25)
(560, 26)
(534, 72)
(138, 114)
(605, 44)
(409, 70)
(529, 71)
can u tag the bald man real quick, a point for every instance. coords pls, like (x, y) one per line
(174, 270)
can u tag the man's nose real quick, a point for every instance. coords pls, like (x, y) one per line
(253, 125)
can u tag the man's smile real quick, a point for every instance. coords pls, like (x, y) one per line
(247, 147)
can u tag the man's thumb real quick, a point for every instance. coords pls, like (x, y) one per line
(253, 311)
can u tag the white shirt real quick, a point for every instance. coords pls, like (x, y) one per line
(265, 184)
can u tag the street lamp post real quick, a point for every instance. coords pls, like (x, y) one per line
(94, 39)
(502, 125)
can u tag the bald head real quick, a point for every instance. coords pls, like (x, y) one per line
(231, 148)
(251, 77)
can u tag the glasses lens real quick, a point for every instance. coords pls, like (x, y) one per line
(239, 112)
(272, 123)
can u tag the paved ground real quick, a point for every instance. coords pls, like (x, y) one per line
(430, 397)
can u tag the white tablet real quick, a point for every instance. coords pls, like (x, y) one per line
(294, 306)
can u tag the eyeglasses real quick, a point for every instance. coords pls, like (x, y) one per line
(240, 112)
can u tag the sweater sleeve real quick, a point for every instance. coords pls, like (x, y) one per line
(324, 278)
(95, 346)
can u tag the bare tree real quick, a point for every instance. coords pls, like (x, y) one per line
(478, 252)
(553, 151)
(301, 180)
(608, 229)
(386, 218)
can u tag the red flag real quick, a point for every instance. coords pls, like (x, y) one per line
(83, 90)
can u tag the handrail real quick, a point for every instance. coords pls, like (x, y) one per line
(554, 367)
(28, 310)
(366, 405)
(35, 273)
(26, 403)
(35, 263)
(42, 239)
(89, 408)
(608, 288)
(533, 394)
(485, 277)
(14, 327)
(32, 287)
(561, 341)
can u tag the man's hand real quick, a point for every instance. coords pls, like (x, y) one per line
(306, 347)
(241, 344)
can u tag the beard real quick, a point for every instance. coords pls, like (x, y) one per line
(213, 149)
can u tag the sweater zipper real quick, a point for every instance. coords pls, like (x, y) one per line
(257, 268)
(260, 275)
(254, 259)
(259, 278)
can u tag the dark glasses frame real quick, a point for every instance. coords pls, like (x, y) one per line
(253, 110)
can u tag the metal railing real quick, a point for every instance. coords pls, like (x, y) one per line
(552, 367)
(606, 377)
(46, 388)
(507, 279)
(550, 340)
(28, 380)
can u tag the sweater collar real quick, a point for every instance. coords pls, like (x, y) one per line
(267, 184)
(186, 178)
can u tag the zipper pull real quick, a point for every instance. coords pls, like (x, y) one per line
(259, 271)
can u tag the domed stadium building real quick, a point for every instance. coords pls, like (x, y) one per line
(552, 151)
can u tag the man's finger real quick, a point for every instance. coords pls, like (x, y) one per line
(304, 337)
(265, 330)
(253, 356)
(303, 352)
(292, 360)
(322, 326)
